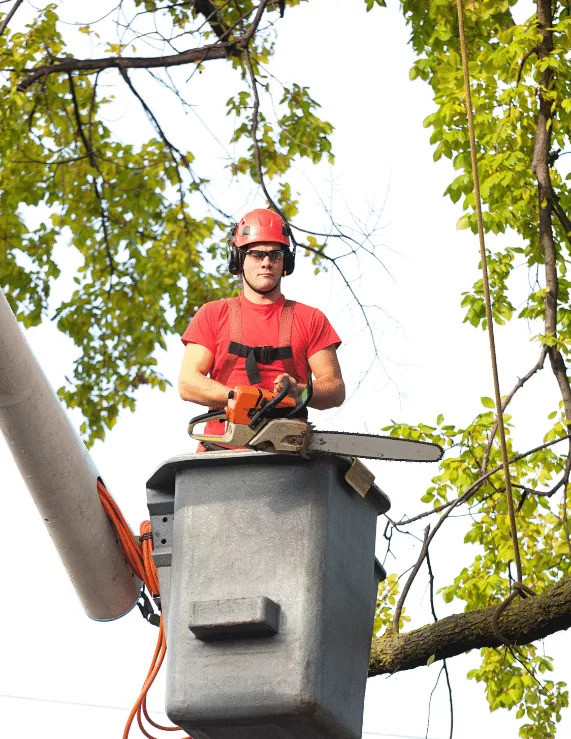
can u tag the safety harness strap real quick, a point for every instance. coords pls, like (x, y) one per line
(255, 354)
(286, 324)
(235, 320)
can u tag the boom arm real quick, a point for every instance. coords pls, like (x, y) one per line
(61, 477)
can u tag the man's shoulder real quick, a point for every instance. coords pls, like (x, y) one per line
(214, 307)
(307, 311)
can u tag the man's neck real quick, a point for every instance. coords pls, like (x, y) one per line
(261, 299)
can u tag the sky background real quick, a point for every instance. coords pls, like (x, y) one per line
(64, 675)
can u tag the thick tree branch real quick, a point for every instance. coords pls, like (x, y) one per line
(222, 49)
(211, 12)
(523, 622)
(540, 167)
(201, 54)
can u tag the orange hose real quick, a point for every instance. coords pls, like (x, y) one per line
(139, 555)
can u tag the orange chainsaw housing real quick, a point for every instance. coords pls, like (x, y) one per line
(246, 400)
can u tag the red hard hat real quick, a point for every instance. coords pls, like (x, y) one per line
(261, 225)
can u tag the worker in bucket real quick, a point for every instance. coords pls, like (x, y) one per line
(259, 338)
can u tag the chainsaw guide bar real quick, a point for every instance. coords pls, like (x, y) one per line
(370, 446)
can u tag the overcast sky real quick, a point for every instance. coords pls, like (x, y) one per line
(65, 676)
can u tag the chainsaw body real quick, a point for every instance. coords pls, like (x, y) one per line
(251, 421)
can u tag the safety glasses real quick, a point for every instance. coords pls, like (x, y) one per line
(258, 255)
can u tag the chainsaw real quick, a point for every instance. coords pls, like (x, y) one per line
(265, 421)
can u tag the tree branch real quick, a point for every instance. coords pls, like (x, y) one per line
(8, 18)
(222, 49)
(478, 483)
(520, 383)
(561, 216)
(80, 131)
(201, 54)
(540, 167)
(413, 574)
(523, 622)
(210, 11)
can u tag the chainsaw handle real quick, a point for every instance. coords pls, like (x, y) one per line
(271, 404)
(306, 396)
(215, 415)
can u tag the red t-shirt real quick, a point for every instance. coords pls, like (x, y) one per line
(311, 332)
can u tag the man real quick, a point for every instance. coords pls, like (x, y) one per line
(259, 338)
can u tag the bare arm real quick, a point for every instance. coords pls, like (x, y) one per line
(193, 383)
(328, 385)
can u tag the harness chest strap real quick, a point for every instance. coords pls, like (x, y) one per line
(255, 354)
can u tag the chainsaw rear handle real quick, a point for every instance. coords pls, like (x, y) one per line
(271, 404)
(265, 410)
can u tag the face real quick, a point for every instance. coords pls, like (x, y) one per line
(263, 274)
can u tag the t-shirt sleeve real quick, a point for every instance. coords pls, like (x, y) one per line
(199, 330)
(322, 334)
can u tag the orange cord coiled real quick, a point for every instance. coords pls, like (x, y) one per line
(140, 559)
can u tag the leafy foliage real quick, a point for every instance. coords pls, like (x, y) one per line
(515, 69)
(149, 249)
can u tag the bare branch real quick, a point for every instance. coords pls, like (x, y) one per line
(477, 484)
(8, 18)
(520, 383)
(450, 699)
(222, 49)
(245, 40)
(415, 569)
(561, 216)
(430, 699)
(444, 665)
(549, 493)
(80, 130)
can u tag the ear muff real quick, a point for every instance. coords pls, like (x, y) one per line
(289, 261)
(235, 261)
(289, 256)
(235, 255)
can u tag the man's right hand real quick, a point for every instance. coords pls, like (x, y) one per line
(295, 389)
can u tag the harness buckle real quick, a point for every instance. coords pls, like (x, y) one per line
(264, 354)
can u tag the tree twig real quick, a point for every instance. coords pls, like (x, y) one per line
(411, 577)
(475, 485)
(450, 698)
(430, 700)
(520, 383)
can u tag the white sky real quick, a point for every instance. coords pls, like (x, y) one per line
(63, 675)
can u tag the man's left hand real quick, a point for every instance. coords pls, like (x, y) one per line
(295, 389)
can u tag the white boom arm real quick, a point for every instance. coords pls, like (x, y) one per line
(61, 477)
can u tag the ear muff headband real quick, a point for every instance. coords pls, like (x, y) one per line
(236, 255)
